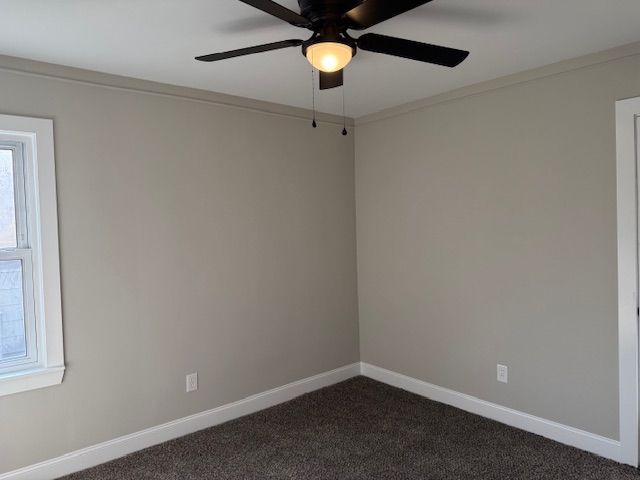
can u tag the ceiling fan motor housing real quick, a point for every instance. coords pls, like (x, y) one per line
(322, 12)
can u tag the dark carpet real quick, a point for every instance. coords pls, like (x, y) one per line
(360, 429)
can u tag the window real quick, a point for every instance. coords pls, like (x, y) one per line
(31, 354)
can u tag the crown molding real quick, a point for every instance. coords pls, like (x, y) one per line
(89, 77)
(629, 50)
(23, 66)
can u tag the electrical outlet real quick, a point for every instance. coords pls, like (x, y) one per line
(192, 382)
(503, 373)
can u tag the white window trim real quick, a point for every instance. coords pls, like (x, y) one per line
(39, 162)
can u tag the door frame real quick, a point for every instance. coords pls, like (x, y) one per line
(627, 120)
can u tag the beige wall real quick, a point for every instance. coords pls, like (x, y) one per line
(196, 236)
(486, 232)
(193, 237)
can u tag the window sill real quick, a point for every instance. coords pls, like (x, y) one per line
(24, 380)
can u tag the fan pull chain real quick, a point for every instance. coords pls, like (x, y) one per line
(344, 114)
(313, 94)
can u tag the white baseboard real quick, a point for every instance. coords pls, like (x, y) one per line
(574, 437)
(112, 449)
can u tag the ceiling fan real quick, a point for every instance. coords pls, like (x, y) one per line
(331, 48)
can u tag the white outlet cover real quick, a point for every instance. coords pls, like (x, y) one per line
(192, 382)
(503, 373)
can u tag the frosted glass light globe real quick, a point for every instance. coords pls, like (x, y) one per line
(329, 56)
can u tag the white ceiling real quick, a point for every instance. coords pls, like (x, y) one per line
(157, 40)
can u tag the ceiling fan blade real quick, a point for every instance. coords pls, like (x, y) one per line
(331, 80)
(372, 12)
(422, 52)
(277, 10)
(213, 57)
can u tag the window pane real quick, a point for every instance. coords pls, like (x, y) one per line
(13, 342)
(7, 201)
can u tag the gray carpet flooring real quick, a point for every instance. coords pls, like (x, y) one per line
(360, 430)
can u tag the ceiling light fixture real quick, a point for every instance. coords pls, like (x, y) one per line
(329, 57)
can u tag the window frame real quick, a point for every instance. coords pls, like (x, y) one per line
(33, 142)
(21, 252)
